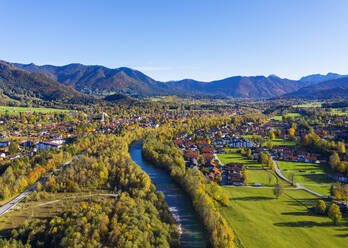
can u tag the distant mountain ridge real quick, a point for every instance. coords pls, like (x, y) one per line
(102, 81)
(318, 78)
(327, 89)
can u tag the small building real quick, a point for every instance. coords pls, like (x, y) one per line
(42, 145)
(5, 143)
(234, 173)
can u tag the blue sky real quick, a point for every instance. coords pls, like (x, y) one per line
(172, 40)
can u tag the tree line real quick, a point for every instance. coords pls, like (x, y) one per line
(206, 196)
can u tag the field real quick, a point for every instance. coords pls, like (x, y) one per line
(260, 220)
(312, 176)
(16, 110)
(237, 158)
(256, 174)
(280, 118)
(308, 105)
(339, 111)
(281, 142)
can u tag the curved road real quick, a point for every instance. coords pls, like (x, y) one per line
(299, 186)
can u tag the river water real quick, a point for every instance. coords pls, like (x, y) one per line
(190, 227)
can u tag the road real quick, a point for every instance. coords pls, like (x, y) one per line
(8, 206)
(73, 197)
(299, 186)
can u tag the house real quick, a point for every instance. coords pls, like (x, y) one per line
(5, 143)
(42, 145)
(240, 142)
(234, 172)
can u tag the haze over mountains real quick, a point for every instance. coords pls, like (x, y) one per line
(102, 81)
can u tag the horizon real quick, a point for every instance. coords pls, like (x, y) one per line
(202, 40)
(217, 79)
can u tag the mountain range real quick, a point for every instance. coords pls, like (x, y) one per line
(325, 89)
(19, 84)
(77, 81)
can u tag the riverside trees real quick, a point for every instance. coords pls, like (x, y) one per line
(160, 150)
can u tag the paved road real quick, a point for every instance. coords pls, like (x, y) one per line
(8, 206)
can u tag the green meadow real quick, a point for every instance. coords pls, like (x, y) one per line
(16, 110)
(260, 220)
(280, 118)
(312, 176)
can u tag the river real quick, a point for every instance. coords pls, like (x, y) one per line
(190, 227)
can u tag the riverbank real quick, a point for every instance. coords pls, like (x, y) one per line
(192, 231)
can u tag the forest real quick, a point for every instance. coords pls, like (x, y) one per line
(138, 217)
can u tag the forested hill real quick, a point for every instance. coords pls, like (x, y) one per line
(19, 84)
(241, 86)
(327, 89)
(99, 80)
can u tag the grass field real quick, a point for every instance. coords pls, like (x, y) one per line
(308, 105)
(340, 112)
(310, 175)
(280, 118)
(260, 220)
(237, 158)
(281, 142)
(16, 110)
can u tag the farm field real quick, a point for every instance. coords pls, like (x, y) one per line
(312, 176)
(260, 220)
(14, 110)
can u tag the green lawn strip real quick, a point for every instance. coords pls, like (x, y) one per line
(266, 178)
(260, 220)
(279, 117)
(235, 157)
(340, 112)
(282, 142)
(16, 110)
(248, 136)
(308, 105)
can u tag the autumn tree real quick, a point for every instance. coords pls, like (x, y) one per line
(334, 213)
(341, 147)
(278, 189)
(334, 160)
(320, 208)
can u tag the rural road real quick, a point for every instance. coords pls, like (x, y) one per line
(8, 206)
(73, 197)
(299, 186)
